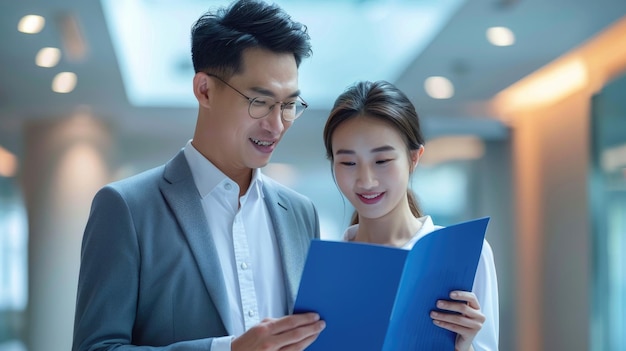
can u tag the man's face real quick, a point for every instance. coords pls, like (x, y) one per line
(239, 141)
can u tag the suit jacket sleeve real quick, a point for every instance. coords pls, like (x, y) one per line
(110, 287)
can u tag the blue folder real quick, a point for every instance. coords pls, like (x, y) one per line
(379, 298)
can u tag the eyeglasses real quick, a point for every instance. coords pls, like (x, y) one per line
(261, 106)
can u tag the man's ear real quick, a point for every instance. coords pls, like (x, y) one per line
(202, 87)
(415, 157)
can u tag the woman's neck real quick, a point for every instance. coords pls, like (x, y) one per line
(393, 229)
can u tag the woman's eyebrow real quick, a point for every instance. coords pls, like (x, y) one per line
(376, 149)
(383, 148)
(345, 152)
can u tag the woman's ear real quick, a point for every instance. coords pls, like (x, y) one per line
(415, 157)
(202, 86)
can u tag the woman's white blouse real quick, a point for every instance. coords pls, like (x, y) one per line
(485, 285)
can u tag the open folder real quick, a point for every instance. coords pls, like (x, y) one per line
(379, 298)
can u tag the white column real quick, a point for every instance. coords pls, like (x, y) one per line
(65, 163)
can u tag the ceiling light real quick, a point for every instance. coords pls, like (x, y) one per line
(439, 87)
(8, 163)
(64, 82)
(500, 36)
(48, 57)
(31, 24)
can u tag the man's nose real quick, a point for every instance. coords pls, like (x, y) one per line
(273, 122)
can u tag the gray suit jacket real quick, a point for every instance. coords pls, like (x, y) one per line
(150, 274)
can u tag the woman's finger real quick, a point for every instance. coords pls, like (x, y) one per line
(466, 296)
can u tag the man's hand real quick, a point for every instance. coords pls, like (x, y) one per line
(289, 333)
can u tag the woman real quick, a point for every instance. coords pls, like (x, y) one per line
(374, 141)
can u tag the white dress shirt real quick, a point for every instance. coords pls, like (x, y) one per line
(246, 246)
(485, 285)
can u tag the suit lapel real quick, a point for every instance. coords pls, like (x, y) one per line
(181, 193)
(289, 242)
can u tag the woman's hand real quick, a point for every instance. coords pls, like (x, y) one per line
(466, 323)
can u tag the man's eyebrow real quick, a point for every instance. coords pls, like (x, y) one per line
(266, 92)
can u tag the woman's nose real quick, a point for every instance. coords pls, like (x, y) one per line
(366, 179)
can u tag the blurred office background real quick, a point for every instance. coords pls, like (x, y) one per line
(523, 103)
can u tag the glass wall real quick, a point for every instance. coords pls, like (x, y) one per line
(13, 265)
(608, 213)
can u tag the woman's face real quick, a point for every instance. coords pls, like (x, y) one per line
(372, 165)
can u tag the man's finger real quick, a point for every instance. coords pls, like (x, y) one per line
(280, 325)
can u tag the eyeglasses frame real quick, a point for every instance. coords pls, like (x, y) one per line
(252, 99)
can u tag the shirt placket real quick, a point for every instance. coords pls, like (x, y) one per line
(245, 274)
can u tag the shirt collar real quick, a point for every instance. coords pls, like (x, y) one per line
(206, 176)
(427, 227)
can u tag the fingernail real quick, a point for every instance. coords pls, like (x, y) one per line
(440, 304)
(434, 314)
(454, 294)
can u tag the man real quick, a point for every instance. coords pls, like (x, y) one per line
(205, 252)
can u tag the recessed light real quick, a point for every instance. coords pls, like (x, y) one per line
(500, 36)
(31, 24)
(48, 57)
(439, 87)
(64, 82)
(8, 163)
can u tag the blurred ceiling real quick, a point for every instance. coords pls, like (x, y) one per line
(401, 41)
(348, 37)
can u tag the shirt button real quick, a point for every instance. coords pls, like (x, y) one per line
(228, 186)
(244, 265)
(251, 313)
